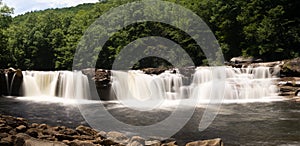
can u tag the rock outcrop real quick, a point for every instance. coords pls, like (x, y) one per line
(19, 132)
(291, 68)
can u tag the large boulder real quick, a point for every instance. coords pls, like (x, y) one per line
(291, 68)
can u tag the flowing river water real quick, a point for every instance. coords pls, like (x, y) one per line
(251, 113)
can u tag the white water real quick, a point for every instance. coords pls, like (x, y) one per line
(224, 84)
(71, 85)
(207, 85)
(9, 86)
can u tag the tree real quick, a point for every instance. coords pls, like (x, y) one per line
(5, 20)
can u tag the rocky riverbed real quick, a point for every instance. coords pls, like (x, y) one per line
(20, 132)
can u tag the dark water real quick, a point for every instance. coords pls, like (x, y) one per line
(274, 123)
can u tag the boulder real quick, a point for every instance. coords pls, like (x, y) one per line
(212, 142)
(136, 141)
(83, 130)
(32, 132)
(153, 143)
(21, 128)
(117, 137)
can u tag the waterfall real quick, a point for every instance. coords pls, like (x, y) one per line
(224, 83)
(64, 84)
(238, 84)
(9, 85)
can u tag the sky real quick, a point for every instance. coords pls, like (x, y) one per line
(23, 6)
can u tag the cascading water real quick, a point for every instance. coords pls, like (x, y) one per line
(9, 85)
(239, 84)
(7, 82)
(59, 83)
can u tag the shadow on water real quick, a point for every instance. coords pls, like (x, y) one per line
(273, 123)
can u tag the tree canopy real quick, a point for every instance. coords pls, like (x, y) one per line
(47, 40)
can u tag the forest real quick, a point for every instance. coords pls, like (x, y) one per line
(47, 40)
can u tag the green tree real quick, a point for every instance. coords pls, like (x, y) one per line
(5, 20)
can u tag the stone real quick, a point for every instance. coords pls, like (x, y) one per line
(3, 135)
(98, 140)
(43, 126)
(211, 142)
(153, 143)
(37, 142)
(20, 139)
(68, 131)
(15, 122)
(61, 137)
(5, 143)
(34, 125)
(83, 130)
(291, 68)
(83, 137)
(5, 129)
(136, 141)
(9, 139)
(21, 128)
(108, 142)
(173, 143)
(117, 137)
(32, 132)
(101, 134)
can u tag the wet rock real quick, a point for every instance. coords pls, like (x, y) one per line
(83, 130)
(117, 137)
(155, 71)
(14, 122)
(212, 142)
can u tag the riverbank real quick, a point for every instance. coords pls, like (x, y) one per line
(19, 131)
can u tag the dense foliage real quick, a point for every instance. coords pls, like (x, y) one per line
(47, 40)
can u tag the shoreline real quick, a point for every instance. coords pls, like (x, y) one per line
(19, 131)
